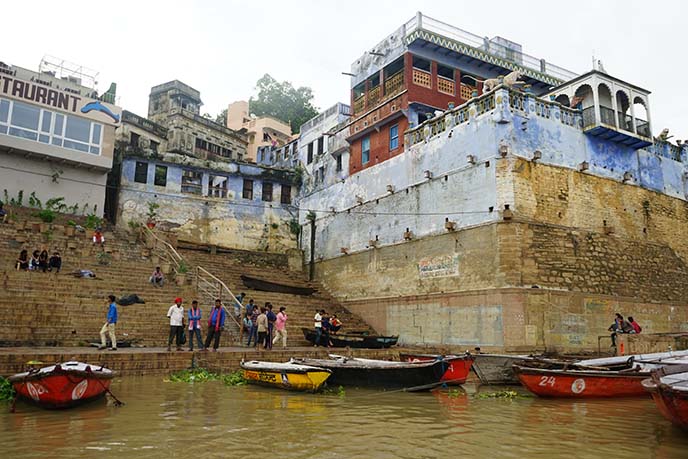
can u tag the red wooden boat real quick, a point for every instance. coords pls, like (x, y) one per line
(63, 385)
(457, 371)
(669, 389)
(576, 383)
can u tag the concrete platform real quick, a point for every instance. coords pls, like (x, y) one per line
(156, 360)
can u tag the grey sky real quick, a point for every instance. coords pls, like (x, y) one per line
(222, 47)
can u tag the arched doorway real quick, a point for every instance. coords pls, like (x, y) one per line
(583, 100)
(607, 115)
(642, 126)
(563, 99)
(622, 106)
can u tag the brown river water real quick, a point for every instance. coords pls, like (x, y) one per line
(204, 420)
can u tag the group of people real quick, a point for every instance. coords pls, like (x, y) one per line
(216, 324)
(324, 326)
(263, 326)
(39, 261)
(622, 325)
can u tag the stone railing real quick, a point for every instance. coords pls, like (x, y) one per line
(518, 101)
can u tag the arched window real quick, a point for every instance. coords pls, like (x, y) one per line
(642, 126)
(622, 106)
(563, 99)
(607, 115)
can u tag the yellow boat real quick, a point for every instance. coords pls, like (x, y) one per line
(291, 376)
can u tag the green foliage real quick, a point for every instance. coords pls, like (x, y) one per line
(194, 375)
(56, 204)
(506, 393)
(298, 175)
(311, 216)
(456, 393)
(20, 199)
(74, 209)
(294, 227)
(183, 268)
(104, 258)
(133, 225)
(34, 201)
(152, 210)
(274, 225)
(46, 215)
(93, 221)
(234, 379)
(283, 101)
(6, 390)
(222, 118)
(338, 391)
(71, 223)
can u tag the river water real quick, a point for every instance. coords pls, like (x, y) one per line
(204, 420)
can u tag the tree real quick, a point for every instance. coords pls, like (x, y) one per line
(222, 118)
(283, 101)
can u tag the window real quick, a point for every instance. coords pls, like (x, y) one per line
(160, 176)
(247, 192)
(365, 150)
(141, 172)
(191, 182)
(339, 163)
(421, 64)
(445, 72)
(267, 191)
(33, 123)
(154, 146)
(309, 159)
(285, 196)
(134, 139)
(394, 137)
(217, 186)
(322, 174)
(321, 145)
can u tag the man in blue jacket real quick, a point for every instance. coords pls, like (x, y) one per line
(109, 327)
(216, 322)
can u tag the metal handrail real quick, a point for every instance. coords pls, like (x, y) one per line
(201, 276)
(168, 251)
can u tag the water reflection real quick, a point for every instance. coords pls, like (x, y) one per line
(161, 419)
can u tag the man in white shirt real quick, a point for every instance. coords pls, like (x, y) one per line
(318, 327)
(176, 316)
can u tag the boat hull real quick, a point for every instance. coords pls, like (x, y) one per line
(458, 366)
(412, 376)
(497, 368)
(61, 387)
(671, 400)
(309, 380)
(581, 384)
(354, 340)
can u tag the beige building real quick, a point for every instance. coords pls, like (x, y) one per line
(264, 131)
(56, 135)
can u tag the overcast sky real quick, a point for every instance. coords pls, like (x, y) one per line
(222, 47)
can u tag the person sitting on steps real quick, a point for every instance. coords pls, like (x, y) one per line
(157, 277)
(98, 238)
(55, 262)
(22, 261)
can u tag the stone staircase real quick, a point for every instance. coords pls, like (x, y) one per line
(49, 309)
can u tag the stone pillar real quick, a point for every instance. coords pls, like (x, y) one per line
(630, 103)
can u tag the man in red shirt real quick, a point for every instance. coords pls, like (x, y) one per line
(636, 328)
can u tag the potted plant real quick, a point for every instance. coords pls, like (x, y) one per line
(152, 213)
(182, 269)
(104, 258)
(166, 267)
(133, 230)
(70, 228)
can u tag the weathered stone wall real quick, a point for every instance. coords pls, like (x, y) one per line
(578, 249)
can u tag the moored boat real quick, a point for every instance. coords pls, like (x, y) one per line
(458, 366)
(497, 368)
(63, 385)
(288, 375)
(669, 389)
(381, 374)
(573, 381)
(353, 340)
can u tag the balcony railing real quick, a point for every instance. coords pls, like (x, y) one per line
(359, 104)
(642, 127)
(374, 96)
(445, 85)
(607, 116)
(625, 122)
(588, 117)
(422, 78)
(394, 84)
(466, 91)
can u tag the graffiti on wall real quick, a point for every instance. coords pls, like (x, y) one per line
(439, 266)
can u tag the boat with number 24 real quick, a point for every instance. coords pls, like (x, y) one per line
(288, 375)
